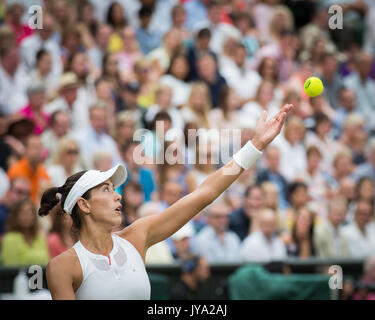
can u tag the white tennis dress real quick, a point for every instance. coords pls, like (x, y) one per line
(120, 276)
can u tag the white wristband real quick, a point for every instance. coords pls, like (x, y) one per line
(247, 155)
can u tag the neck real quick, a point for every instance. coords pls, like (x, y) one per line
(98, 241)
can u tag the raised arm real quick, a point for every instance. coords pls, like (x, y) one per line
(159, 227)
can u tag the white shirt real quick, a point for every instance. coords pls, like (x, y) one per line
(254, 110)
(13, 91)
(292, 158)
(360, 245)
(180, 89)
(31, 45)
(257, 248)
(91, 142)
(79, 112)
(244, 80)
(120, 276)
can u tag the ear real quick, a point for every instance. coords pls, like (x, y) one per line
(84, 205)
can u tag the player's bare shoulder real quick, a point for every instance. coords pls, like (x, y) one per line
(64, 272)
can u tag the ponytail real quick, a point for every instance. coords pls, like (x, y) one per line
(50, 200)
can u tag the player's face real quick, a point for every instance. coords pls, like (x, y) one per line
(105, 206)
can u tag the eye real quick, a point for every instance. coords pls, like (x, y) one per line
(106, 189)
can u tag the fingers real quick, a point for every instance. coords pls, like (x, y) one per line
(264, 116)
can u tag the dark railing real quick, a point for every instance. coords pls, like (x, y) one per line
(219, 273)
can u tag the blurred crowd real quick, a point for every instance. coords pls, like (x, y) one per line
(75, 94)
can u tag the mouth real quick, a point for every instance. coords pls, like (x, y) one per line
(118, 209)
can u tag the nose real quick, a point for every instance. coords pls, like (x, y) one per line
(118, 196)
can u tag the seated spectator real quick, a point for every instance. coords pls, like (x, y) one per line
(163, 102)
(367, 169)
(117, 20)
(95, 137)
(176, 77)
(346, 104)
(159, 253)
(208, 72)
(66, 161)
(161, 56)
(195, 272)
(61, 236)
(315, 180)
(60, 126)
(361, 232)
(180, 242)
(148, 39)
(301, 244)
(144, 71)
(241, 221)
(14, 15)
(271, 173)
(215, 242)
(23, 243)
(33, 111)
(67, 100)
(292, 149)
(31, 167)
(132, 199)
(124, 129)
(329, 239)
(19, 189)
(198, 106)
(354, 137)
(365, 189)
(102, 160)
(239, 76)
(264, 245)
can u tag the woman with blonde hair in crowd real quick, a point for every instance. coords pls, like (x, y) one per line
(24, 243)
(282, 20)
(66, 161)
(145, 74)
(124, 129)
(198, 106)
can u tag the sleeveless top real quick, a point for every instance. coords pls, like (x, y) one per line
(120, 276)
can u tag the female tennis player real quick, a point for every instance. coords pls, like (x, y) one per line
(106, 265)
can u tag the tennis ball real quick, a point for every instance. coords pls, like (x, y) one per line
(313, 86)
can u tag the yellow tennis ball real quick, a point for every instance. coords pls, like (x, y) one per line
(313, 86)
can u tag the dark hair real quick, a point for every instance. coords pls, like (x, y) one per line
(250, 188)
(223, 97)
(40, 54)
(110, 11)
(145, 12)
(311, 231)
(50, 200)
(174, 58)
(161, 116)
(293, 187)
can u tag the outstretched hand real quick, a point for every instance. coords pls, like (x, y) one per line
(266, 131)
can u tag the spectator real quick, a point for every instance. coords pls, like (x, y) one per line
(215, 242)
(301, 243)
(59, 127)
(67, 101)
(239, 76)
(198, 106)
(292, 149)
(195, 273)
(360, 232)
(242, 221)
(19, 190)
(124, 129)
(66, 161)
(365, 289)
(346, 105)
(146, 96)
(361, 83)
(98, 139)
(12, 77)
(31, 167)
(329, 239)
(176, 77)
(365, 189)
(368, 168)
(95, 53)
(33, 111)
(180, 242)
(263, 245)
(132, 200)
(148, 39)
(208, 73)
(271, 173)
(24, 244)
(117, 20)
(60, 237)
(14, 15)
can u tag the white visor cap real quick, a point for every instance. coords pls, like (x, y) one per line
(91, 179)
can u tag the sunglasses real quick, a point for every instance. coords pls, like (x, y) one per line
(72, 151)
